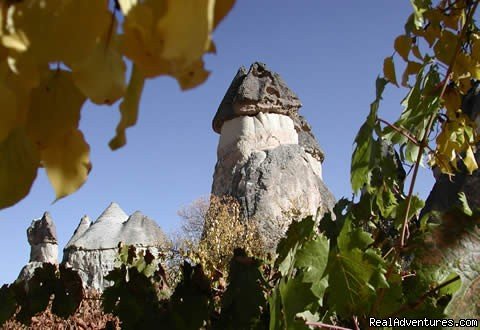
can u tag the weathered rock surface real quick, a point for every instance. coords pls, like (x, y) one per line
(255, 91)
(268, 158)
(42, 237)
(93, 248)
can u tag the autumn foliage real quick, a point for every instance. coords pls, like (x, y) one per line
(57, 54)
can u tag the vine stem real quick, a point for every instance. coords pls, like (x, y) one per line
(424, 141)
(322, 325)
(400, 130)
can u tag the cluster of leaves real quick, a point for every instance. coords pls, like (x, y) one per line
(23, 299)
(138, 298)
(441, 47)
(57, 54)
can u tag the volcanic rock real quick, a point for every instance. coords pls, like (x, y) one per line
(267, 156)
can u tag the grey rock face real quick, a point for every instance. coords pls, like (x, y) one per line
(268, 158)
(270, 185)
(306, 139)
(92, 250)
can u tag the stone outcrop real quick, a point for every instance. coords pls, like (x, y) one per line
(267, 156)
(93, 248)
(42, 237)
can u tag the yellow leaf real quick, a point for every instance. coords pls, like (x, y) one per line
(193, 76)
(431, 34)
(469, 160)
(126, 5)
(452, 101)
(28, 72)
(403, 45)
(129, 108)
(18, 41)
(8, 107)
(411, 69)
(54, 109)
(186, 39)
(67, 163)
(446, 46)
(222, 8)
(14, 101)
(161, 44)
(389, 70)
(451, 21)
(18, 167)
(464, 85)
(101, 77)
(140, 41)
(55, 30)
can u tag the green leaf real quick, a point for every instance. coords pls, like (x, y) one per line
(452, 287)
(470, 161)
(298, 233)
(419, 8)
(363, 155)
(416, 204)
(192, 294)
(68, 293)
(331, 226)
(244, 300)
(353, 273)
(464, 204)
(133, 301)
(351, 238)
(312, 259)
(296, 296)
(129, 107)
(276, 316)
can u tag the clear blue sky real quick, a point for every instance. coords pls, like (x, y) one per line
(328, 52)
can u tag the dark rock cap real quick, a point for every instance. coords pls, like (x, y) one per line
(258, 90)
(42, 231)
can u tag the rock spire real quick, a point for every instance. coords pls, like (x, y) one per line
(267, 156)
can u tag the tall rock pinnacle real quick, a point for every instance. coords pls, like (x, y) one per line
(42, 236)
(268, 158)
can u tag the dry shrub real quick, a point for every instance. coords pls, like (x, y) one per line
(89, 315)
(222, 230)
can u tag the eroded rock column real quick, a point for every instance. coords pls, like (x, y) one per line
(267, 156)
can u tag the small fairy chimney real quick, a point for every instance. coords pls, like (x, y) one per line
(42, 236)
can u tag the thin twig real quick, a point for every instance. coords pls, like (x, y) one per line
(326, 326)
(400, 130)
